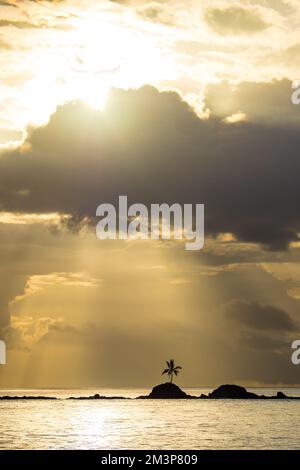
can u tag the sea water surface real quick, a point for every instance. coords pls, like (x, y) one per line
(148, 424)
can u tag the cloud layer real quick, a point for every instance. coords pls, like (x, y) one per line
(245, 173)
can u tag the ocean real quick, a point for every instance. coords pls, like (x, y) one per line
(148, 424)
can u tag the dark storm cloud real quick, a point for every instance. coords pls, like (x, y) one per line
(263, 342)
(260, 317)
(235, 20)
(153, 147)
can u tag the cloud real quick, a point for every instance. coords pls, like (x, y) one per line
(23, 333)
(284, 7)
(9, 135)
(7, 4)
(157, 13)
(235, 20)
(289, 56)
(23, 24)
(288, 273)
(260, 317)
(268, 103)
(237, 117)
(260, 342)
(246, 174)
(5, 45)
(18, 24)
(138, 2)
(48, 1)
(37, 283)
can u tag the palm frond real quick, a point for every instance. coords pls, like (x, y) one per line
(171, 369)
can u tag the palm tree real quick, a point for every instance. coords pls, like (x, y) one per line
(171, 369)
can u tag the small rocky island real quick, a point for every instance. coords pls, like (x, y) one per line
(169, 391)
(235, 391)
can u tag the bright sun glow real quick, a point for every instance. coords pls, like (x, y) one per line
(98, 53)
(90, 90)
(109, 55)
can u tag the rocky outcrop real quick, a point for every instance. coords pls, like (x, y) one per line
(8, 397)
(281, 395)
(98, 397)
(232, 391)
(168, 391)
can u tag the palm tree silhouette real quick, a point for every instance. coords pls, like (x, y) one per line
(171, 369)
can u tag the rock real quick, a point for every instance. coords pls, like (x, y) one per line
(281, 395)
(8, 397)
(167, 390)
(232, 391)
(97, 397)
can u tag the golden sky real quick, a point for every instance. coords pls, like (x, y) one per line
(165, 101)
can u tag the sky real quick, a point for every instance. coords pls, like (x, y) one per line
(163, 101)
